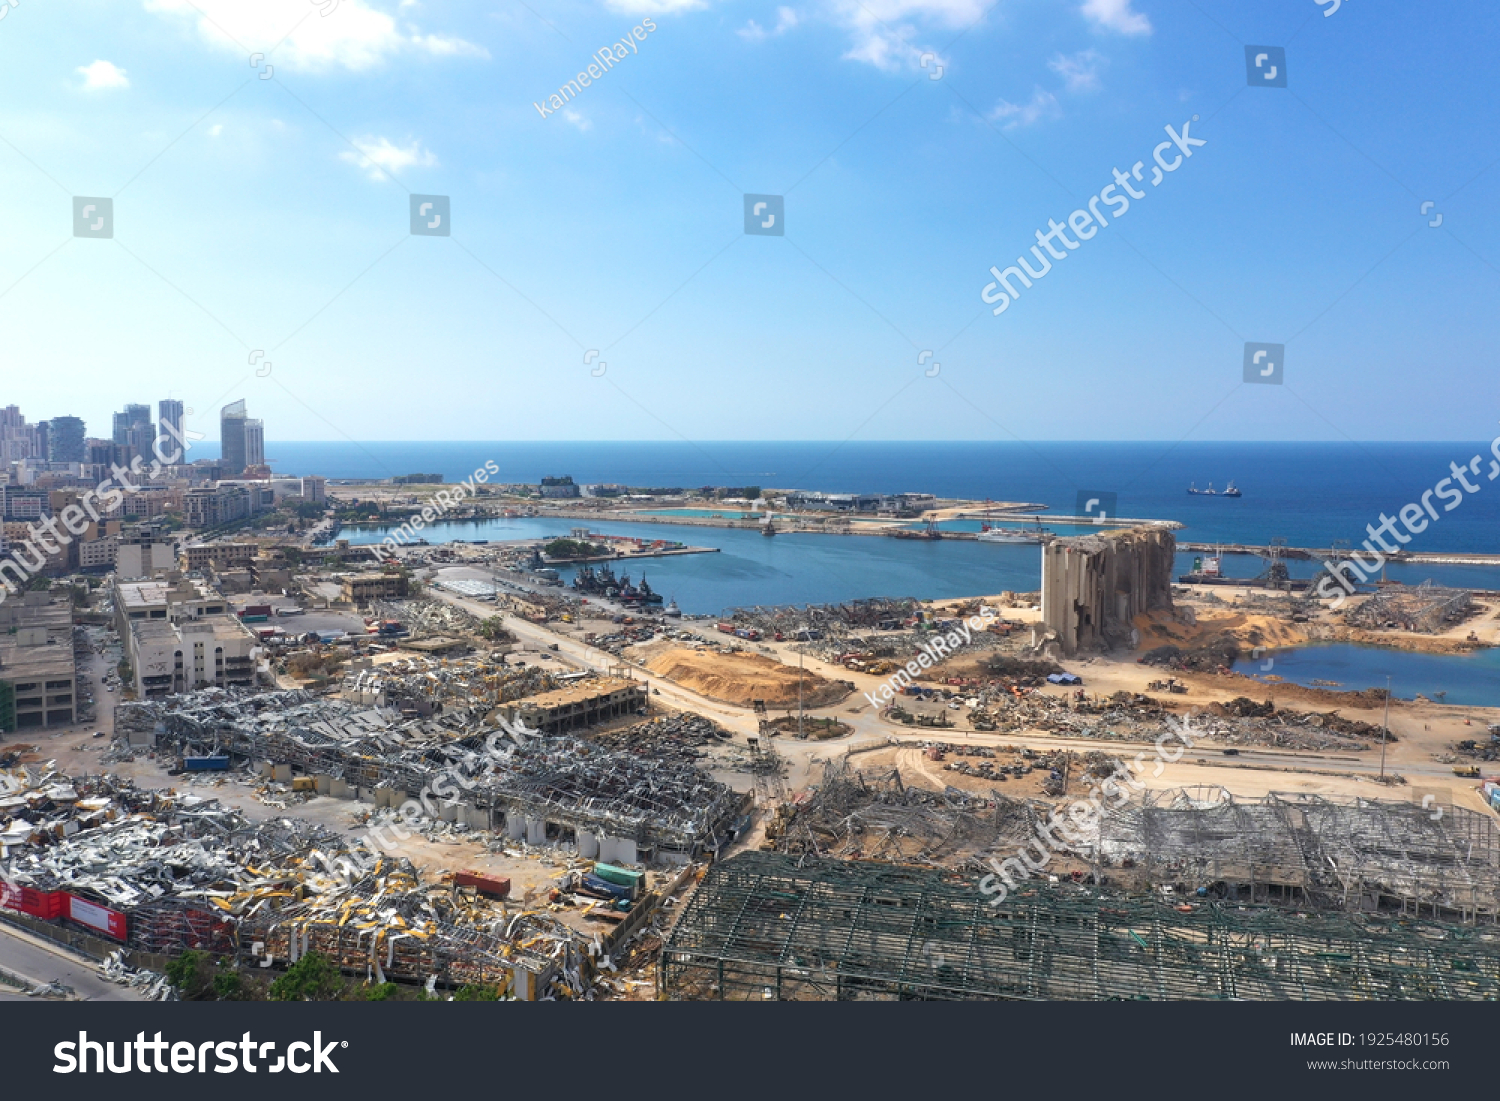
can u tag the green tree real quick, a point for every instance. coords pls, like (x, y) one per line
(313, 978)
(472, 993)
(188, 974)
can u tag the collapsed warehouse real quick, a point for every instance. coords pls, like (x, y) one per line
(612, 805)
(160, 873)
(1310, 851)
(766, 926)
(1298, 851)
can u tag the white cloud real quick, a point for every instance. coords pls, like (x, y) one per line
(577, 120)
(216, 129)
(1081, 71)
(1043, 105)
(443, 45)
(1116, 15)
(377, 155)
(341, 34)
(752, 31)
(102, 75)
(884, 34)
(654, 7)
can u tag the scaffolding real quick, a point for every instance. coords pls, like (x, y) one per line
(764, 926)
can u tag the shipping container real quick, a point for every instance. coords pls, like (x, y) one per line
(603, 888)
(622, 877)
(206, 764)
(492, 885)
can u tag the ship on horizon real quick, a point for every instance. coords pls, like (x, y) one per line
(1230, 490)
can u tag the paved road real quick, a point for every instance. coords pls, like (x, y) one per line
(26, 957)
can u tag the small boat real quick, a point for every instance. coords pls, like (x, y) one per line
(672, 609)
(768, 529)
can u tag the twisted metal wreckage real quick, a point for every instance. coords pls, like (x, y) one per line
(181, 872)
(663, 809)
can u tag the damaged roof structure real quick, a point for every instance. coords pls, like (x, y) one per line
(647, 808)
(767, 926)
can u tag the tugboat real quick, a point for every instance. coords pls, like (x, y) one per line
(1232, 490)
(672, 609)
(768, 529)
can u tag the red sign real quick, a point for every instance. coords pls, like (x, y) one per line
(109, 922)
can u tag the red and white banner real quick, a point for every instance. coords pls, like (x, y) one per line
(109, 922)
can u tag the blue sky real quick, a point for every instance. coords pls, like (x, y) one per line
(272, 214)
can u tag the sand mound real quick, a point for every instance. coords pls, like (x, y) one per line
(1163, 629)
(741, 678)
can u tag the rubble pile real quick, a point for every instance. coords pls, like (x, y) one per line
(562, 779)
(424, 617)
(174, 872)
(670, 738)
(422, 686)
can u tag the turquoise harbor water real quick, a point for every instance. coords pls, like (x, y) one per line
(1470, 680)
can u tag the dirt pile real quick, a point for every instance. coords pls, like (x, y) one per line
(743, 678)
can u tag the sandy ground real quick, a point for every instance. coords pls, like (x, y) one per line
(741, 678)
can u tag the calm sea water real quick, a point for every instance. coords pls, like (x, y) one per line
(1309, 493)
(1471, 680)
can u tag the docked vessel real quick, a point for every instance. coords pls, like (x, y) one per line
(989, 534)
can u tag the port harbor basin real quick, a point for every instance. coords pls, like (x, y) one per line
(797, 568)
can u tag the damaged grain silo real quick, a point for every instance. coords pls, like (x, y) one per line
(1094, 585)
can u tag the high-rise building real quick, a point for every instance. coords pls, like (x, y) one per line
(255, 443)
(173, 425)
(232, 421)
(65, 440)
(133, 429)
(18, 440)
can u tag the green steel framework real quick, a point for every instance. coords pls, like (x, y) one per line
(768, 926)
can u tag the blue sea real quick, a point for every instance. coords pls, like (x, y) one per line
(1309, 493)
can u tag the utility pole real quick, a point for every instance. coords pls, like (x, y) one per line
(1385, 724)
(799, 695)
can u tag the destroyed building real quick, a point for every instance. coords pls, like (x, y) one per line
(1093, 586)
(610, 804)
(765, 926)
(158, 873)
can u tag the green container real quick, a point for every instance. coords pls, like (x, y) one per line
(622, 877)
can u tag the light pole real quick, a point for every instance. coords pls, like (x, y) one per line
(1385, 723)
